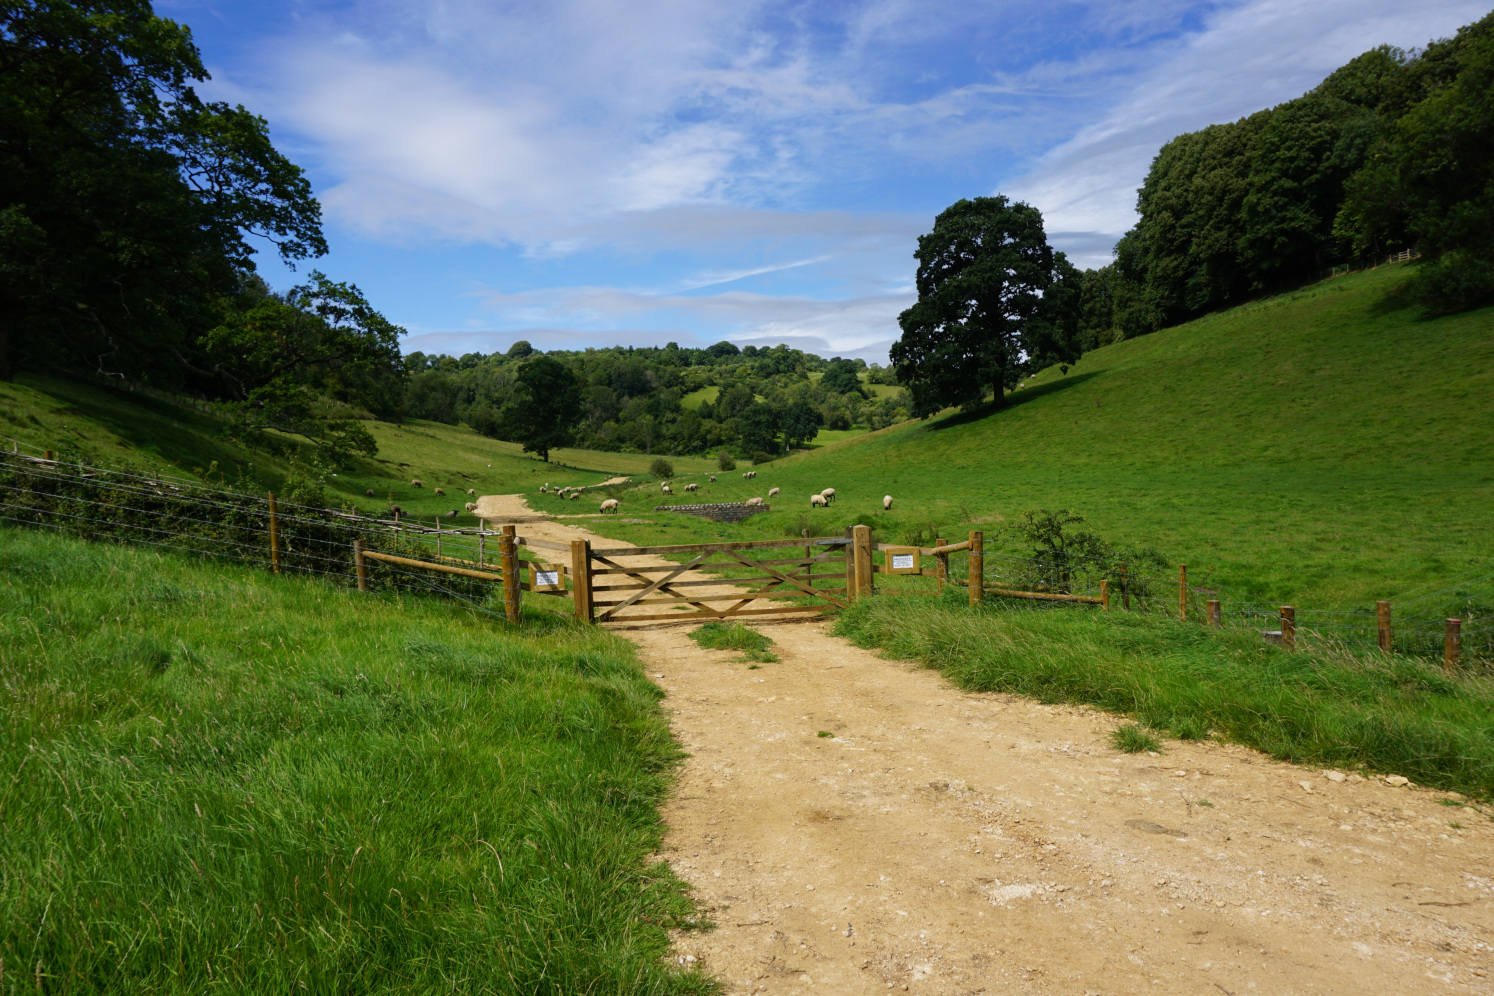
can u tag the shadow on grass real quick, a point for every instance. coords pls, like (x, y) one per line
(1011, 401)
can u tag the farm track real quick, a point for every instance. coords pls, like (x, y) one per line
(943, 842)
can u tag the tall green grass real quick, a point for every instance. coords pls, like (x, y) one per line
(222, 781)
(1313, 706)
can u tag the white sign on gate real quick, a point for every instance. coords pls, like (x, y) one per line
(547, 578)
(902, 561)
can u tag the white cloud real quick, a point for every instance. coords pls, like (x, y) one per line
(1246, 58)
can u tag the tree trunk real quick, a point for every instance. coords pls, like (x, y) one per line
(7, 319)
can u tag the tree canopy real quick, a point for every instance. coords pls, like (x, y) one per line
(543, 411)
(984, 309)
(128, 205)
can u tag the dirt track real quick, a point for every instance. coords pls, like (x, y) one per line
(946, 842)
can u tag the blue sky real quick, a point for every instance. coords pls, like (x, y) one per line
(586, 172)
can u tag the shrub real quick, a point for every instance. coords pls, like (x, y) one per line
(725, 462)
(758, 457)
(661, 467)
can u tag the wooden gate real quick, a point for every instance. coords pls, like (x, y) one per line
(604, 587)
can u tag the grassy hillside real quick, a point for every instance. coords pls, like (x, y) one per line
(1323, 445)
(114, 427)
(222, 780)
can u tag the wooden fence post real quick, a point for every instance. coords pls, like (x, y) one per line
(977, 567)
(581, 579)
(1452, 644)
(274, 536)
(1182, 593)
(438, 537)
(1216, 617)
(1105, 594)
(508, 550)
(1125, 589)
(941, 564)
(482, 540)
(852, 589)
(1288, 628)
(360, 565)
(862, 541)
(808, 550)
(1382, 614)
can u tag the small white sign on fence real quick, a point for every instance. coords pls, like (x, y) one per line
(902, 561)
(547, 578)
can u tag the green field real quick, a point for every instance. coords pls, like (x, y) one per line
(219, 780)
(113, 427)
(694, 399)
(1324, 446)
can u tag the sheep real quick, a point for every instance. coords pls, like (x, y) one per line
(772, 492)
(887, 502)
(755, 501)
(471, 492)
(746, 474)
(665, 488)
(817, 500)
(416, 483)
(691, 486)
(713, 478)
(667, 491)
(751, 474)
(575, 494)
(452, 514)
(829, 494)
(610, 505)
(438, 491)
(471, 506)
(369, 492)
(396, 511)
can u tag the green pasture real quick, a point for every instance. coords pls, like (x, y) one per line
(694, 399)
(1324, 446)
(223, 781)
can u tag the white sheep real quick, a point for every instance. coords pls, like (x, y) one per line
(472, 506)
(439, 492)
(752, 474)
(816, 500)
(887, 501)
(575, 494)
(667, 491)
(691, 486)
(610, 505)
(772, 492)
(713, 478)
(828, 494)
(755, 501)
(416, 483)
(452, 514)
(471, 492)
(745, 475)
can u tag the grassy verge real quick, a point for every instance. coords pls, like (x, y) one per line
(753, 645)
(1379, 713)
(219, 780)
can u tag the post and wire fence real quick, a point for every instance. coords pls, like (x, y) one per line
(483, 568)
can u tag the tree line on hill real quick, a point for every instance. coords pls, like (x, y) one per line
(767, 401)
(1393, 151)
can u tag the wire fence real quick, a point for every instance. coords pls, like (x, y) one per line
(233, 524)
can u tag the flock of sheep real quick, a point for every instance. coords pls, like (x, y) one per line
(821, 500)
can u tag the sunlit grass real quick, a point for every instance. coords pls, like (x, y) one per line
(220, 780)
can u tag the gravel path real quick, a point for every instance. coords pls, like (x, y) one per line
(947, 842)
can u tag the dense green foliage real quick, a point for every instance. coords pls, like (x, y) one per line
(765, 401)
(1391, 151)
(994, 301)
(128, 208)
(1384, 713)
(219, 780)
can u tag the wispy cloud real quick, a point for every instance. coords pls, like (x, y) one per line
(792, 151)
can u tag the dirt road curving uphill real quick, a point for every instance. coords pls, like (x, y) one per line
(942, 842)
